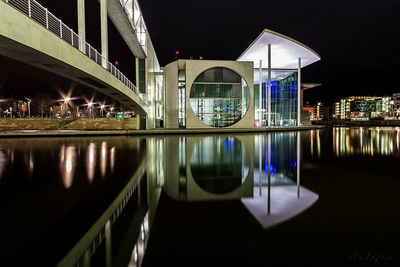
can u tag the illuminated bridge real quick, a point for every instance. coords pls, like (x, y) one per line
(31, 34)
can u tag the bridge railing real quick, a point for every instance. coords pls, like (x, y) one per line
(41, 15)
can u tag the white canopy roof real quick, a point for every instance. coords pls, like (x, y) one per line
(285, 52)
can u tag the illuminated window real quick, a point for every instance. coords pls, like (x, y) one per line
(219, 97)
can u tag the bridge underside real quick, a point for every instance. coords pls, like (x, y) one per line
(27, 41)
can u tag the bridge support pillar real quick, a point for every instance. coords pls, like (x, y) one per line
(104, 32)
(81, 24)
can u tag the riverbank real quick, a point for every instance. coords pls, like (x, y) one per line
(50, 133)
(372, 123)
(8, 124)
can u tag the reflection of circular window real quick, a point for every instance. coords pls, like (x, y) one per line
(219, 164)
(219, 97)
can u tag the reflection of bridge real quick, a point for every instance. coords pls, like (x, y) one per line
(31, 34)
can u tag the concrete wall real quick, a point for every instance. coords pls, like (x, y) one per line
(193, 69)
(171, 95)
(244, 69)
(69, 124)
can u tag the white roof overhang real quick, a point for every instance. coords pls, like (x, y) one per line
(285, 52)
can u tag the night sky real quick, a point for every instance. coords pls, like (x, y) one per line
(357, 40)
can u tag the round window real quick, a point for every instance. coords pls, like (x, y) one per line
(219, 97)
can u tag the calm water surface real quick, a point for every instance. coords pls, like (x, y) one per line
(322, 196)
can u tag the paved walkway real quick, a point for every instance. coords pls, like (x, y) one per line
(46, 133)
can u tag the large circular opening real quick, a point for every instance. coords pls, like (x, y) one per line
(219, 97)
(219, 165)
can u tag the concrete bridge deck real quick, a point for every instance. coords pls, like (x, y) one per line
(25, 37)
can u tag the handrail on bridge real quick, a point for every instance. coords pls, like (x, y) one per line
(40, 14)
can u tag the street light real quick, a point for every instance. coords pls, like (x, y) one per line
(29, 106)
(90, 104)
(66, 100)
(102, 110)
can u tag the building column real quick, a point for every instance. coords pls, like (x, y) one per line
(298, 94)
(269, 86)
(81, 25)
(104, 32)
(260, 95)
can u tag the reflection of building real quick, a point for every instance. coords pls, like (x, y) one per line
(263, 171)
(260, 89)
(210, 168)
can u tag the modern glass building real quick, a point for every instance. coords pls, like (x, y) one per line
(260, 89)
(278, 60)
(209, 94)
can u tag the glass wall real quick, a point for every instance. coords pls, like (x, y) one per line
(284, 90)
(219, 97)
(182, 98)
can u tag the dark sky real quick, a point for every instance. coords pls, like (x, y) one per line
(357, 40)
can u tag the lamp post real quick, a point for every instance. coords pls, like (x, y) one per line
(90, 104)
(66, 100)
(102, 110)
(29, 106)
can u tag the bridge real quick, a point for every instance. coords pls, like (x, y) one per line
(33, 35)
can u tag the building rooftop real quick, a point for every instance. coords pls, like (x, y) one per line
(285, 52)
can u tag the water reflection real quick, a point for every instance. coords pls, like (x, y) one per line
(70, 174)
(232, 165)
(67, 164)
(266, 180)
(349, 141)
(91, 161)
(3, 162)
(103, 159)
(366, 141)
(260, 172)
(140, 245)
(277, 194)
